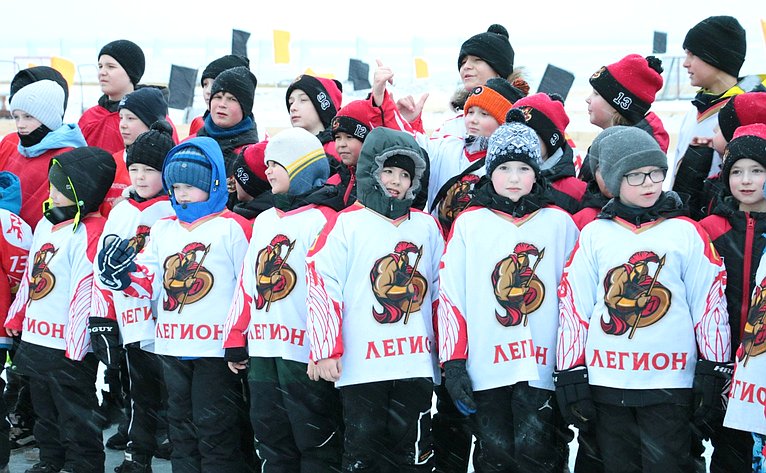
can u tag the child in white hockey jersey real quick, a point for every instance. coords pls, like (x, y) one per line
(509, 248)
(15, 238)
(117, 318)
(296, 420)
(51, 312)
(644, 334)
(190, 268)
(373, 284)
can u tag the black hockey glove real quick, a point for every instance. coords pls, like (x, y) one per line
(712, 383)
(236, 355)
(458, 386)
(574, 398)
(115, 262)
(105, 340)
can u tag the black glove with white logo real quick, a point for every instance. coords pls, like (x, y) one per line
(105, 340)
(712, 383)
(459, 387)
(574, 397)
(115, 262)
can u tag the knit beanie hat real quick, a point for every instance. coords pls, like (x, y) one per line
(147, 103)
(84, 175)
(128, 55)
(190, 166)
(546, 115)
(496, 97)
(629, 85)
(325, 94)
(401, 161)
(355, 119)
(493, 47)
(623, 150)
(151, 147)
(742, 109)
(250, 169)
(513, 141)
(719, 41)
(44, 100)
(33, 74)
(302, 155)
(594, 151)
(749, 142)
(216, 66)
(239, 82)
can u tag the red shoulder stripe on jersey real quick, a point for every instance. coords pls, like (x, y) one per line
(94, 226)
(715, 226)
(247, 225)
(322, 238)
(710, 251)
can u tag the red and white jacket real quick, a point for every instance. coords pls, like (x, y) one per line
(53, 303)
(15, 240)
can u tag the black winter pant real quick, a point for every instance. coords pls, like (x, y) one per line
(65, 428)
(647, 439)
(451, 433)
(515, 428)
(204, 399)
(146, 391)
(388, 426)
(5, 427)
(296, 421)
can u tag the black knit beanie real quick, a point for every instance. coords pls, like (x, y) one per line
(221, 64)
(84, 175)
(151, 147)
(493, 46)
(147, 103)
(719, 41)
(239, 82)
(129, 56)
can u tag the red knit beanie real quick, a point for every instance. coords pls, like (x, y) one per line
(749, 142)
(630, 85)
(250, 169)
(742, 109)
(355, 118)
(546, 115)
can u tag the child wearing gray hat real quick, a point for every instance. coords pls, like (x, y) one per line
(643, 347)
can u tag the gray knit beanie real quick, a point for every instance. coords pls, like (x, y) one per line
(621, 149)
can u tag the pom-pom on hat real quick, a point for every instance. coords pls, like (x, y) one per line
(513, 141)
(190, 166)
(129, 55)
(33, 74)
(719, 41)
(302, 155)
(492, 46)
(147, 103)
(44, 100)
(630, 85)
(624, 149)
(496, 97)
(742, 109)
(749, 142)
(546, 115)
(250, 169)
(239, 82)
(355, 119)
(151, 147)
(325, 94)
(216, 66)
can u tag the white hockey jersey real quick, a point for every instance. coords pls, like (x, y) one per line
(498, 307)
(268, 313)
(747, 398)
(372, 290)
(53, 304)
(638, 303)
(130, 220)
(191, 271)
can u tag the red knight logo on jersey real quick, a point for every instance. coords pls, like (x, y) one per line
(185, 278)
(518, 290)
(754, 337)
(139, 241)
(456, 199)
(275, 278)
(43, 280)
(397, 285)
(633, 297)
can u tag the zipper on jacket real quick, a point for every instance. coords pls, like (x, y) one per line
(745, 303)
